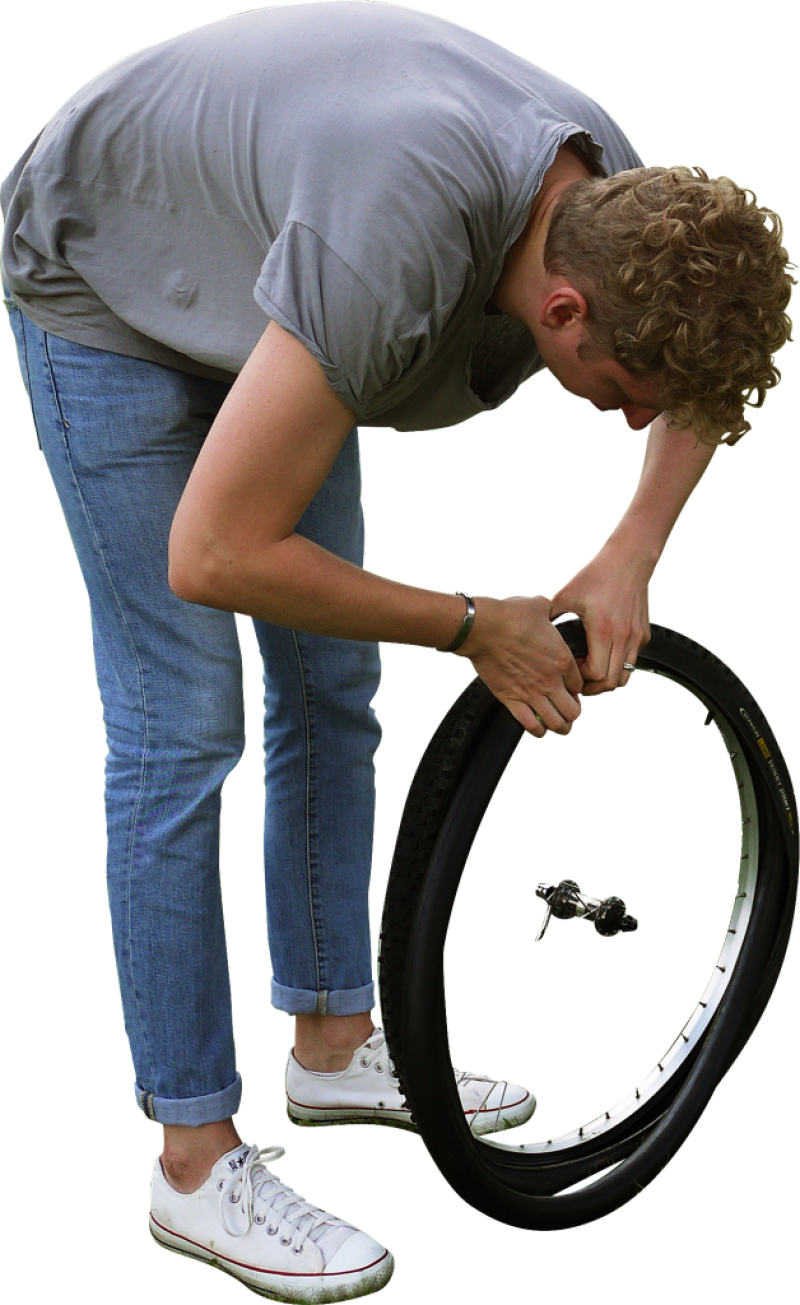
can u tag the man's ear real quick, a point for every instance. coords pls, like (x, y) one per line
(564, 307)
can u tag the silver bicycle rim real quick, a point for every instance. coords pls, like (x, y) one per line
(695, 1027)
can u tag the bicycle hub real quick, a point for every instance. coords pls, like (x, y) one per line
(566, 901)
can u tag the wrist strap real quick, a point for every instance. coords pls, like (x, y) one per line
(466, 625)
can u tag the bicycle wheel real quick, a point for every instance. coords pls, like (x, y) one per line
(628, 1144)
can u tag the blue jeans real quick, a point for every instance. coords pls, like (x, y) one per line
(120, 436)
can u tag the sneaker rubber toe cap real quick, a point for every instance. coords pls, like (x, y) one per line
(358, 1253)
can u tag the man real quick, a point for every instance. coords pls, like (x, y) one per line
(388, 188)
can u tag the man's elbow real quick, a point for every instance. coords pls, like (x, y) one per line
(190, 547)
(190, 577)
(185, 584)
(180, 584)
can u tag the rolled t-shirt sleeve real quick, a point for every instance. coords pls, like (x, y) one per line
(313, 293)
(365, 336)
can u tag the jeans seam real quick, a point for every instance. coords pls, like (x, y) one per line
(307, 714)
(27, 375)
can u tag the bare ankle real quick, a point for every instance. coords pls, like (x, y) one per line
(190, 1152)
(183, 1176)
(325, 1043)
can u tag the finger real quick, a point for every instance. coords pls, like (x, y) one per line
(538, 731)
(621, 679)
(573, 679)
(564, 717)
(593, 688)
(595, 680)
(574, 705)
(628, 667)
(595, 667)
(528, 718)
(559, 722)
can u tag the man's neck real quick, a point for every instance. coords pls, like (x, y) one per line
(523, 274)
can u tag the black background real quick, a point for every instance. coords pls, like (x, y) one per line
(510, 503)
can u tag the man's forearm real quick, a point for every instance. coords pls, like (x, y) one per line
(674, 463)
(298, 584)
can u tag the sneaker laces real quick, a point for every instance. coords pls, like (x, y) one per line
(254, 1183)
(374, 1047)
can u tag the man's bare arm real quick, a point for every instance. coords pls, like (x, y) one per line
(674, 463)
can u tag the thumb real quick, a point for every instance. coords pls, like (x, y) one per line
(564, 605)
(559, 606)
(590, 670)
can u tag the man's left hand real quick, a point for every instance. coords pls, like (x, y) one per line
(610, 597)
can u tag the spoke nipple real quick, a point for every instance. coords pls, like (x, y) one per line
(638, 1095)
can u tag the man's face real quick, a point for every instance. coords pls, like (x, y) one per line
(603, 381)
(555, 313)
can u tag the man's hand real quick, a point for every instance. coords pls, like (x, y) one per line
(610, 594)
(525, 663)
(610, 597)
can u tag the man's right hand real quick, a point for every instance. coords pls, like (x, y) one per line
(522, 658)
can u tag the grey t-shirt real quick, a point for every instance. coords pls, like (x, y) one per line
(354, 171)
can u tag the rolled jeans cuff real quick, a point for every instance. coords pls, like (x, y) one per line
(191, 1110)
(300, 1001)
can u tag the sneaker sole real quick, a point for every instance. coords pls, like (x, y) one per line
(282, 1287)
(320, 1118)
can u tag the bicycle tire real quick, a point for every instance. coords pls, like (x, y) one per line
(449, 795)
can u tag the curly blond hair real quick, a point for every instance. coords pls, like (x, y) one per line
(687, 284)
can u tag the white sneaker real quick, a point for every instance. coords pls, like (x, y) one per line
(247, 1222)
(367, 1092)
